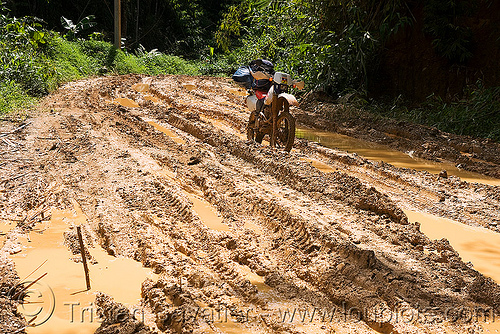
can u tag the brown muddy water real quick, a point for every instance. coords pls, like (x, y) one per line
(189, 86)
(378, 152)
(207, 213)
(478, 245)
(166, 131)
(63, 288)
(126, 102)
(141, 87)
(65, 277)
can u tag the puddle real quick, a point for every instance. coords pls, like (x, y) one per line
(225, 127)
(378, 152)
(145, 88)
(253, 227)
(168, 132)
(207, 213)
(152, 98)
(255, 279)
(141, 87)
(475, 244)
(236, 91)
(189, 86)
(490, 328)
(74, 311)
(125, 102)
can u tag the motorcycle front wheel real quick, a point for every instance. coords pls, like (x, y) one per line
(285, 135)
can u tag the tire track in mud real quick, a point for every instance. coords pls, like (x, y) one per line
(428, 196)
(295, 237)
(176, 204)
(365, 259)
(192, 129)
(296, 174)
(200, 134)
(271, 212)
(444, 197)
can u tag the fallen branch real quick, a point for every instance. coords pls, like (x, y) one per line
(34, 271)
(42, 206)
(84, 257)
(15, 130)
(13, 178)
(20, 295)
(39, 211)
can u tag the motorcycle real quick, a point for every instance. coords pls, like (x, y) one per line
(270, 110)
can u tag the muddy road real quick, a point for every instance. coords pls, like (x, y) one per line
(236, 237)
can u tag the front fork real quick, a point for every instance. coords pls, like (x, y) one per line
(274, 115)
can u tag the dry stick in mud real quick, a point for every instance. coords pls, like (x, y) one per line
(31, 273)
(24, 289)
(84, 258)
(39, 211)
(15, 130)
(13, 178)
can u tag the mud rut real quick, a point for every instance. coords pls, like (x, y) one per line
(291, 237)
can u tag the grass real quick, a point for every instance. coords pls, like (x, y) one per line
(38, 71)
(74, 60)
(27, 73)
(477, 114)
(13, 97)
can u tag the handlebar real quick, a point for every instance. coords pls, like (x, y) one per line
(284, 78)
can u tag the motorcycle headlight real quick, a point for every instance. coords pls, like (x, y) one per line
(283, 88)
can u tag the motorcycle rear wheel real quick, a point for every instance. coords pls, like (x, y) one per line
(253, 134)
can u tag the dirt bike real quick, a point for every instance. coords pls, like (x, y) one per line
(270, 110)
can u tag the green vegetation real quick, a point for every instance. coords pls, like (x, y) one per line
(451, 39)
(476, 114)
(35, 61)
(178, 27)
(335, 46)
(13, 97)
(332, 45)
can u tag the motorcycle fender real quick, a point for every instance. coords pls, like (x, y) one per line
(251, 102)
(269, 98)
(290, 98)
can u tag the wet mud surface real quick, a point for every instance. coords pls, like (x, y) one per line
(467, 153)
(243, 238)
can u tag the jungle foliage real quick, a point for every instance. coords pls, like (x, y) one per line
(476, 113)
(335, 46)
(178, 27)
(35, 61)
